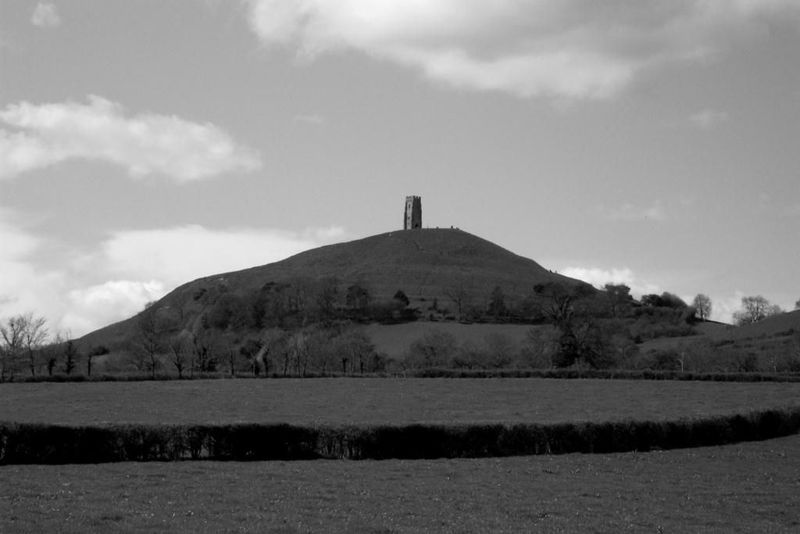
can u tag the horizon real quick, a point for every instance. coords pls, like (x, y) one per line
(142, 147)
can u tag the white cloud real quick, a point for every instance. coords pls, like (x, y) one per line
(631, 212)
(45, 16)
(599, 277)
(707, 119)
(24, 286)
(88, 308)
(180, 254)
(144, 144)
(130, 268)
(577, 49)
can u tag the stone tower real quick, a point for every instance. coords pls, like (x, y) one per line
(413, 216)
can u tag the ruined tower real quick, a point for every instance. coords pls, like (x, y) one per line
(413, 216)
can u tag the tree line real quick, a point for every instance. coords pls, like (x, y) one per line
(302, 329)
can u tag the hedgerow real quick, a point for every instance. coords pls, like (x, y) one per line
(22, 443)
(569, 373)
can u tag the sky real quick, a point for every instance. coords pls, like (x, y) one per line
(145, 144)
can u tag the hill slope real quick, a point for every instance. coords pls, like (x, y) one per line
(425, 264)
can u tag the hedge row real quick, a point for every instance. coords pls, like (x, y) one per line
(645, 374)
(23, 443)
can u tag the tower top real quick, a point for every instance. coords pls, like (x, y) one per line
(412, 219)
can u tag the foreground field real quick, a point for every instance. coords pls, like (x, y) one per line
(384, 401)
(752, 487)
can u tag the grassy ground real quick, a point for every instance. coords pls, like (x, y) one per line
(384, 401)
(394, 340)
(752, 487)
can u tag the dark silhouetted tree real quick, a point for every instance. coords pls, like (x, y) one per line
(401, 297)
(619, 298)
(70, 357)
(497, 303)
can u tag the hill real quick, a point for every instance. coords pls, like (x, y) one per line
(443, 269)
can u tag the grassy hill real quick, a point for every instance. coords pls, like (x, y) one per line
(769, 345)
(441, 272)
(429, 266)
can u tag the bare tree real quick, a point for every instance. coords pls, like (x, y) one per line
(578, 340)
(149, 334)
(22, 334)
(13, 334)
(702, 306)
(203, 351)
(33, 337)
(460, 294)
(755, 309)
(52, 351)
(178, 353)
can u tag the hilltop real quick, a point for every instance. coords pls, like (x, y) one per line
(432, 267)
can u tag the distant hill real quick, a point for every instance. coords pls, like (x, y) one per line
(427, 265)
(771, 326)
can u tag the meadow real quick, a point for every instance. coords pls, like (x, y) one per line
(747, 487)
(365, 401)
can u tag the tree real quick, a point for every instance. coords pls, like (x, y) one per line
(52, 351)
(21, 334)
(664, 300)
(70, 357)
(402, 298)
(460, 294)
(34, 336)
(619, 298)
(433, 349)
(355, 347)
(497, 303)
(797, 305)
(327, 295)
(177, 351)
(578, 336)
(755, 309)
(357, 298)
(203, 351)
(149, 334)
(702, 306)
(499, 350)
(99, 350)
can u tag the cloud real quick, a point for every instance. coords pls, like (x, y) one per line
(129, 268)
(573, 49)
(707, 119)
(599, 277)
(631, 212)
(91, 307)
(144, 144)
(180, 254)
(312, 119)
(45, 16)
(24, 286)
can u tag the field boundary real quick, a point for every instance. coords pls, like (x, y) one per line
(37, 443)
(606, 374)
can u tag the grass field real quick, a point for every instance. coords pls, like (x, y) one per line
(384, 401)
(751, 487)
(394, 340)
